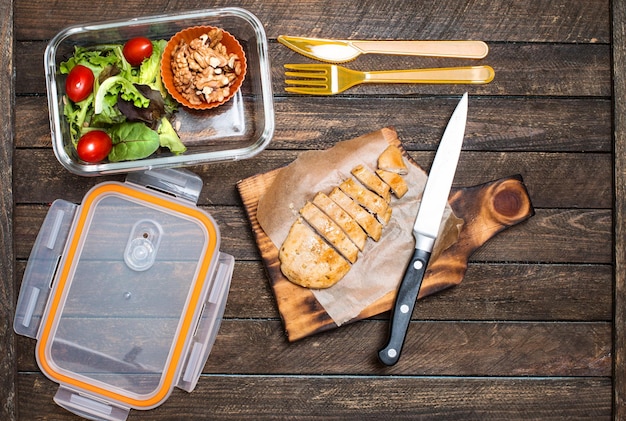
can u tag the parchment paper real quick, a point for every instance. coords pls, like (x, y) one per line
(381, 265)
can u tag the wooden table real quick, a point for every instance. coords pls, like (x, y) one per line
(536, 328)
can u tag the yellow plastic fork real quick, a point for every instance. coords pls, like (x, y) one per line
(330, 79)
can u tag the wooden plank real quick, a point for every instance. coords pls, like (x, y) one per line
(8, 387)
(500, 123)
(574, 21)
(432, 348)
(490, 291)
(453, 348)
(619, 125)
(494, 123)
(235, 397)
(551, 236)
(574, 70)
(564, 235)
(554, 180)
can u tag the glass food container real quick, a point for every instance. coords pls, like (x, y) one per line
(238, 129)
(125, 293)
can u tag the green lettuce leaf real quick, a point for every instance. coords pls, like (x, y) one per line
(132, 141)
(168, 137)
(77, 113)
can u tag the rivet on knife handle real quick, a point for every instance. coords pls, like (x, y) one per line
(403, 308)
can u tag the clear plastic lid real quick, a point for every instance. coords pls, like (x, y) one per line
(137, 296)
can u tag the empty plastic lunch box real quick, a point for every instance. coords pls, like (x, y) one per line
(125, 293)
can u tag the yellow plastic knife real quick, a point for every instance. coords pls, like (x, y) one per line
(341, 51)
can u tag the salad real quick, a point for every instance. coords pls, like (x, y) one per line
(115, 103)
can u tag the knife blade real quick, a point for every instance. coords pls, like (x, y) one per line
(341, 51)
(425, 230)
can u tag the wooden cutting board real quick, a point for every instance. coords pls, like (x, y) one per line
(487, 209)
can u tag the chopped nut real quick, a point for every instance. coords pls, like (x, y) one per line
(214, 62)
(203, 70)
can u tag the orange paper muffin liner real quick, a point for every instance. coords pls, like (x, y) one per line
(189, 34)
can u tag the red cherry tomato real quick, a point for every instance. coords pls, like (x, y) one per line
(94, 146)
(136, 50)
(79, 83)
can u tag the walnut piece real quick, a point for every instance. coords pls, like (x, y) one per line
(203, 70)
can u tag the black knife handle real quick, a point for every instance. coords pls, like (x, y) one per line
(403, 307)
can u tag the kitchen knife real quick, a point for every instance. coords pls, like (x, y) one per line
(340, 51)
(425, 230)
